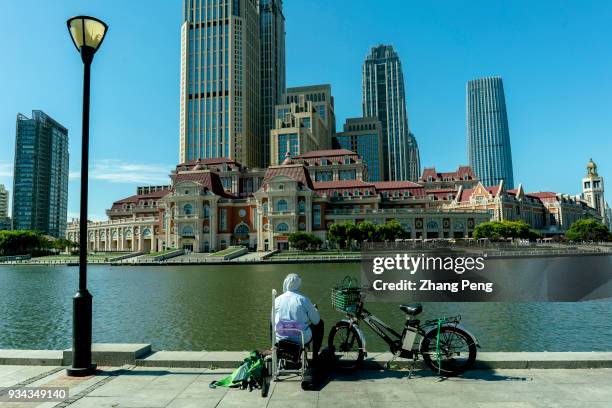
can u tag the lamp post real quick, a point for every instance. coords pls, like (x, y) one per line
(87, 34)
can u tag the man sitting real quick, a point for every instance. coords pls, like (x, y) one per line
(292, 305)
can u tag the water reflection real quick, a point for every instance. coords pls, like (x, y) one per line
(228, 308)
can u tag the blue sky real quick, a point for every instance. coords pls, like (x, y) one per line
(555, 59)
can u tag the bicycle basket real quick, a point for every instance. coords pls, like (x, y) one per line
(346, 296)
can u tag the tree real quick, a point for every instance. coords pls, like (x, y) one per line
(588, 230)
(390, 231)
(21, 242)
(342, 234)
(303, 241)
(497, 230)
(367, 231)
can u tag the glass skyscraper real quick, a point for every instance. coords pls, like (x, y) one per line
(488, 135)
(272, 44)
(383, 97)
(40, 182)
(364, 137)
(220, 81)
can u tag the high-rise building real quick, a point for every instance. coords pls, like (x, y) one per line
(384, 97)
(487, 131)
(364, 137)
(272, 44)
(40, 182)
(5, 221)
(220, 81)
(593, 191)
(305, 122)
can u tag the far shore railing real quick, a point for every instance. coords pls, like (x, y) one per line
(497, 250)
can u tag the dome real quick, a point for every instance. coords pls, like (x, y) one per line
(591, 164)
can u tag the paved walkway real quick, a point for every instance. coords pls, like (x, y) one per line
(130, 386)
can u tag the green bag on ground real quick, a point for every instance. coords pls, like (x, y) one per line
(251, 374)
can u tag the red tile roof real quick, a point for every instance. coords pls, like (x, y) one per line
(137, 197)
(296, 172)
(321, 185)
(326, 153)
(204, 178)
(543, 194)
(455, 175)
(391, 185)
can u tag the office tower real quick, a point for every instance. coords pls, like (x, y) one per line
(593, 191)
(383, 96)
(305, 122)
(220, 81)
(414, 158)
(364, 137)
(272, 44)
(40, 182)
(5, 222)
(3, 201)
(487, 130)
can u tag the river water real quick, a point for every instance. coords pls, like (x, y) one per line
(228, 307)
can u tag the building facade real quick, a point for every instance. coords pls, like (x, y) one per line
(272, 45)
(593, 191)
(305, 122)
(463, 177)
(220, 92)
(212, 204)
(547, 212)
(40, 183)
(488, 134)
(5, 221)
(384, 97)
(364, 137)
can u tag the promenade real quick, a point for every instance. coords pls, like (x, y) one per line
(136, 386)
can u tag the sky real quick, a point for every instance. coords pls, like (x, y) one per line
(555, 59)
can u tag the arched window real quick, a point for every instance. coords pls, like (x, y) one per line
(282, 227)
(281, 205)
(206, 211)
(188, 209)
(302, 206)
(187, 231)
(146, 232)
(242, 229)
(432, 225)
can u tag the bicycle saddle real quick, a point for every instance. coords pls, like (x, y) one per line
(412, 310)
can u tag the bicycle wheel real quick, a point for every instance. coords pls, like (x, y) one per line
(454, 354)
(344, 341)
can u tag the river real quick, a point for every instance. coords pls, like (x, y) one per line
(228, 307)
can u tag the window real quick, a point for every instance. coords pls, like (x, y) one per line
(281, 206)
(187, 209)
(302, 206)
(187, 231)
(323, 176)
(347, 175)
(282, 227)
(223, 219)
(242, 229)
(206, 211)
(316, 215)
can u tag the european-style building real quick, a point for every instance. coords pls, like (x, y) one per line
(211, 204)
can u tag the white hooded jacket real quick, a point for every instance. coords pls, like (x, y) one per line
(293, 306)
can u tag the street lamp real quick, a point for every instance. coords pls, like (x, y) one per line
(87, 34)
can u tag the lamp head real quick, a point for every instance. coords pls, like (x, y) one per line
(87, 34)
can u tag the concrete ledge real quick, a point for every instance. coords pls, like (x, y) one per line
(141, 355)
(113, 354)
(31, 357)
(376, 361)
